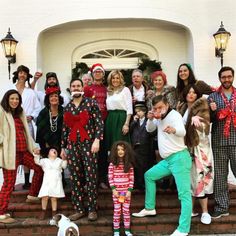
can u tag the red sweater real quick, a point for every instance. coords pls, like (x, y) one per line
(98, 92)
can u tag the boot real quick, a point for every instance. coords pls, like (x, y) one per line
(42, 215)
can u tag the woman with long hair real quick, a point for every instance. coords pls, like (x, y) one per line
(16, 148)
(119, 106)
(185, 76)
(198, 143)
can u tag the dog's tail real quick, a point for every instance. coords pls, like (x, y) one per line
(71, 231)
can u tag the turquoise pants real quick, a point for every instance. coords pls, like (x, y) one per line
(179, 165)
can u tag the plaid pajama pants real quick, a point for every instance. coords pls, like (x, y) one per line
(222, 156)
(26, 159)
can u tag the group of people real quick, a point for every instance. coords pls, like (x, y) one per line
(114, 135)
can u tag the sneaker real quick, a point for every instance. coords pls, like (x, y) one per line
(128, 233)
(76, 216)
(177, 233)
(103, 186)
(144, 213)
(116, 234)
(194, 214)
(206, 218)
(217, 214)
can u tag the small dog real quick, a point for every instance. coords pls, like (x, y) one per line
(66, 227)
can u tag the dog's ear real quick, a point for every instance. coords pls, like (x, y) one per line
(71, 231)
(57, 217)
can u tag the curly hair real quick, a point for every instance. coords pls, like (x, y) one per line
(46, 99)
(128, 158)
(5, 103)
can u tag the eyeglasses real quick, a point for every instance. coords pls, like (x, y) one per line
(226, 77)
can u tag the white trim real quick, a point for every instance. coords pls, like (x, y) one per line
(115, 63)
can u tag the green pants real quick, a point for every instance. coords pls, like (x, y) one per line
(179, 165)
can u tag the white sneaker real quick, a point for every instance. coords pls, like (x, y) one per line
(144, 213)
(177, 233)
(206, 218)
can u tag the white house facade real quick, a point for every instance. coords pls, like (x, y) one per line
(54, 35)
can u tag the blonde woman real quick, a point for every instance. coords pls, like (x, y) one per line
(119, 106)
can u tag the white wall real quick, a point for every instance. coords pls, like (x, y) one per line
(28, 19)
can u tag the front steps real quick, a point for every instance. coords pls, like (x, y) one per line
(164, 223)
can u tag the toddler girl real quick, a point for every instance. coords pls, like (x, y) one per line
(121, 180)
(52, 180)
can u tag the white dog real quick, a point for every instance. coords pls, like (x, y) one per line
(66, 227)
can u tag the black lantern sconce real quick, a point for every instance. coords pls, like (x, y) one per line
(9, 47)
(221, 40)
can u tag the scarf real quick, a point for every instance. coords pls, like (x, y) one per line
(228, 112)
(77, 123)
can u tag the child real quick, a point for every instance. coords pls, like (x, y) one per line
(121, 180)
(142, 144)
(52, 180)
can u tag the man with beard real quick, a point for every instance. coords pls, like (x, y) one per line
(51, 81)
(223, 116)
(98, 91)
(30, 103)
(176, 161)
(81, 135)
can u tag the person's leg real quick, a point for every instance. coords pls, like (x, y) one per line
(221, 195)
(126, 214)
(9, 177)
(116, 214)
(77, 178)
(90, 170)
(180, 164)
(44, 203)
(204, 204)
(54, 203)
(102, 165)
(28, 161)
(157, 172)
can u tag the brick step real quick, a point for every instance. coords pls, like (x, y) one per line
(162, 224)
(163, 206)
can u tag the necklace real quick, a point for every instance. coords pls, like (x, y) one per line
(53, 122)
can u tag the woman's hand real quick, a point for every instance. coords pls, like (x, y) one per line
(36, 151)
(125, 129)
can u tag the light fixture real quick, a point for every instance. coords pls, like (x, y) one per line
(9, 48)
(221, 40)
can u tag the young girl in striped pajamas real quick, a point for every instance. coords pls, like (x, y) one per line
(121, 180)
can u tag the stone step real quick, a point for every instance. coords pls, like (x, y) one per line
(162, 224)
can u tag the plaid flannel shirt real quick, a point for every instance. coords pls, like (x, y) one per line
(217, 133)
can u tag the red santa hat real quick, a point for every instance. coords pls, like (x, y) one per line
(97, 66)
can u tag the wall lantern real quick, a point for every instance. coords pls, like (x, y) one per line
(9, 48)
(221, 40)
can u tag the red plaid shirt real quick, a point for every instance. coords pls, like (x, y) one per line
(21, 145)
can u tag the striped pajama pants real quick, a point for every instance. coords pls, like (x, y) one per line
(118, 207)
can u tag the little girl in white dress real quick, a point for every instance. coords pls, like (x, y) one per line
(52, 180)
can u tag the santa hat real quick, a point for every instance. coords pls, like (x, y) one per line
(97, 66)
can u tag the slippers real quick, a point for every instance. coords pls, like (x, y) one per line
(8, 220)
(194, 214)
